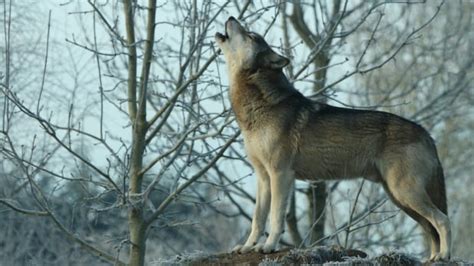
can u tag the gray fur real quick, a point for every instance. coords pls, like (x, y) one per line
(288, 136)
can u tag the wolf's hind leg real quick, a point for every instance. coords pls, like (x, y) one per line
(429, 230)
(281, 183)
(262, 206)
(440, 222)
(432, 235)
(411, 193)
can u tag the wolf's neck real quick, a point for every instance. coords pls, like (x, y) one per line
(271, 86)
(254, 92)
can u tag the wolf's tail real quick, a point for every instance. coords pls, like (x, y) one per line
(437, 190)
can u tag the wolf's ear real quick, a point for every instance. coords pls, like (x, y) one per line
(275, 61)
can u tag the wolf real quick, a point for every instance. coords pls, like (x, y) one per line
(288, 136)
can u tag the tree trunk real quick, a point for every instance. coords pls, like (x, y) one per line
(137, 225)
(137, 237)
(317, 196)
(137, 112)
(292, 222)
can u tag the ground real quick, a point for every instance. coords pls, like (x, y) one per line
(332, 255)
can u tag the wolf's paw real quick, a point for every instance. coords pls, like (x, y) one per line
(439, 257)
(237, 249)
(245, 249)
(268, 248)
(258, 247)
(242, 249)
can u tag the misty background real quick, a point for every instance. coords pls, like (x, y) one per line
(118, 144)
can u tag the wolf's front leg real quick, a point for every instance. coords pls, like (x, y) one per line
(260, 214)
(281, 187)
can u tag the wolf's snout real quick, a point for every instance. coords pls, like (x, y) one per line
(232, 26)
(227, 27)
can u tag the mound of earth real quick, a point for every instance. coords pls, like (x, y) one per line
(332, 255)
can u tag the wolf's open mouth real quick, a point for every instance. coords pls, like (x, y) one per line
(222, 37)
(225, 36)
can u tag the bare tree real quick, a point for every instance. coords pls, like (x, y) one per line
(124, 137)
(144, 172)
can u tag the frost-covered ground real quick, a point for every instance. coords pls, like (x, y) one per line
(332, 255)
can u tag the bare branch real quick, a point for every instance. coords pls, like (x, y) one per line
(191, 180)
(9, 204)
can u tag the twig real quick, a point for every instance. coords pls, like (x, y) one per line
(191, 180)
(7, 203)
(43, 78)
(351, 216)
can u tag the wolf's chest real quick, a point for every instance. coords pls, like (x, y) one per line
(249, 110)
(262, 142)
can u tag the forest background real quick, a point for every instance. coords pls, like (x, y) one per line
(118, 144)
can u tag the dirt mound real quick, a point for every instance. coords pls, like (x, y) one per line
(333, 255)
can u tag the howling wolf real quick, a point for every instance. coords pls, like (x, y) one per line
(288, 136)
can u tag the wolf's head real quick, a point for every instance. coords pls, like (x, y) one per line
(244, 50)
